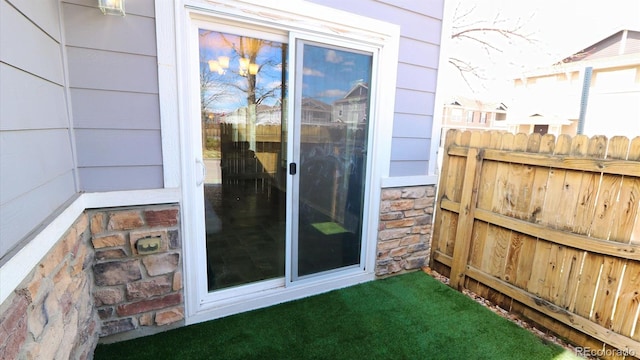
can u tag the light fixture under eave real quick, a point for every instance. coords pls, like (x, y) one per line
(112, 7)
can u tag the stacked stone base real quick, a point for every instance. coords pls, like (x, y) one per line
(51, 314)
(405, 227)
(97, 283)
(137, 287)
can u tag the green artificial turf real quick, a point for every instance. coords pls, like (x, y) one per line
(411, 316)
(329, 228)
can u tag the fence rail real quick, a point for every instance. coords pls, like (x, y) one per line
(546, 224)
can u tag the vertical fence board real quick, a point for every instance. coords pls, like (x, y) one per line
(454, 188)
(497, 238)
(513, 257)
(628, 305)
(479, 231)
(466, 217)
(450, 233)
(517, 267)
(571, 266)
(626, 226)
(607, 291)
(478, 236)
(589, 278)
(518, 182)
(442, 225)
(634, 155)
(538, 189)
(605, 209)
(553, 279)
(587, 193)
(626, 217)
(539, 270)
(548, 257)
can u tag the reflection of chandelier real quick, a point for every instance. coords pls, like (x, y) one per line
(246, 67)
(220, 66)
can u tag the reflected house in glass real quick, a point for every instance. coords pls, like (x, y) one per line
(315, 111)
(265, 115)
(353, 107)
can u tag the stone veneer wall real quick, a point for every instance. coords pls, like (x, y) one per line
(405, 228)
(51, 314)
(94, 283)
(138, 289)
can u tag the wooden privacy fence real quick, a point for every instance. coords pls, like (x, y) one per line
(545, 224)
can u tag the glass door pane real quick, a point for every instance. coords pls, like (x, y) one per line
(333, 131)
(242, 100)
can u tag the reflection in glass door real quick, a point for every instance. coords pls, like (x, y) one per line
(243, 150)
(332, 105)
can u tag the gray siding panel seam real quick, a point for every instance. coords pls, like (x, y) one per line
(411, 113)
(416, 90)
(110, 51)
(412, 137)
(419, 40)
(49, 180)
(119, 166)
(417, 65)
(114, 90)
(33, 23)
(68, 100)
(40, 186)
(132, 7)
(32, 74)
(30, 130)
(116, 128)
(413, 2)
(409, 10)
(36, 217)
(129, 13)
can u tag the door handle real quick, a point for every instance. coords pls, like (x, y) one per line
(292, 168)
(203, 172)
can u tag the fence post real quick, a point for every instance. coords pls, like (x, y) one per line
(468, 204)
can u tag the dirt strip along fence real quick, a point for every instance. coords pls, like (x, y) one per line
(548, 229)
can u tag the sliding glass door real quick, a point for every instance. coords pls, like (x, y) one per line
(332, 121)
(243, 129)
(279, 194)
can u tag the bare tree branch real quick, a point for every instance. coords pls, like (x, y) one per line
(491, 36)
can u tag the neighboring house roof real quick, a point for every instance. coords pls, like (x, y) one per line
(478, 105)
(621, 48)
(537, 119)
(358, 90)
(618, 49)
(623, 42)
(313, 104)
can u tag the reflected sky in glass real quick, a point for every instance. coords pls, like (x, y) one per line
(329, 74)
(231, 85)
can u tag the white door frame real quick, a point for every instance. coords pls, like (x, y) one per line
(311, 21)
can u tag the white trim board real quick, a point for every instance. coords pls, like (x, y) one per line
(168, 92)
(404, 181)
(18, 267)
(276, 296)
